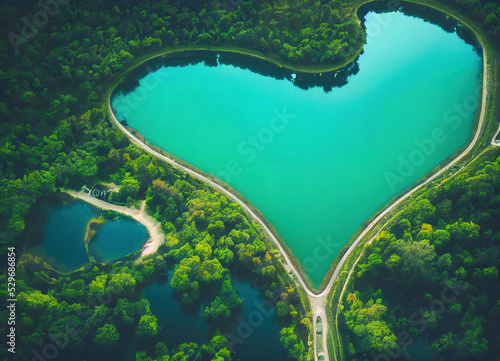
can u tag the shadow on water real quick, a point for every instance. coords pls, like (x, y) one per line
(420, 350)
(427, 14)
(256, 334)
(327, 80)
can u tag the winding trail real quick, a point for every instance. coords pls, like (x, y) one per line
(156, 234)
(318, 300)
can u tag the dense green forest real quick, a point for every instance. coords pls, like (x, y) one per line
(103, 306)
(58, 58)
(54, 133)
(433, 274)
(486, 13)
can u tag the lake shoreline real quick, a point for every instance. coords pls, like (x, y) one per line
(156, 234)
(175, 164)
(326, 286)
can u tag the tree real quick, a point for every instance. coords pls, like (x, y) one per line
(225, 304)
(148, 326)
(225, 256)
(292, 343)
(122, 283)
(107, 336)
(417, 260)
(490, 273)
(123, 313)
(203, 250)
(463, 231)
(282, 309)
(129, 187)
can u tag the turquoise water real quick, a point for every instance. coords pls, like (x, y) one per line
(318, 164)
(116, 239)
(63, 245)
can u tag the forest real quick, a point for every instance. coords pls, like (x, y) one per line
(55, 134)
(58, 58)
(433, 274)
(53, 129)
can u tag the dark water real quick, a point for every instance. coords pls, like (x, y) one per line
(117, 239)
(176, 325)
(255, 336)
(62, 245)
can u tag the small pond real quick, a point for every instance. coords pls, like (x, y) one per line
(117, 239)
(62, 242)
(255, 343)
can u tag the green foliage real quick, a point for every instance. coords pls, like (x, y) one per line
(368, 326)
(148, 326)
(292, 343)
(54, 133)
(107, 336)
(224, 305)
(424, 254)
(193, 273)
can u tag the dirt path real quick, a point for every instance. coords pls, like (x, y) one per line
(156, 235)
(318, 306)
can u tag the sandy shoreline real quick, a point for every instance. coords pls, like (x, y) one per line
(156, 234)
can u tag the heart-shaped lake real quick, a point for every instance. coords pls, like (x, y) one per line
(318, 164)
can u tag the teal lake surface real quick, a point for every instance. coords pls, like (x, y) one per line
(63, 245)
(117, 239)
(338, 156)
